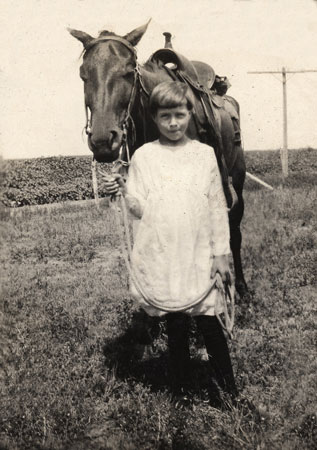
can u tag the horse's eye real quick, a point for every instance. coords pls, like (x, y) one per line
(128, 75)
(130, 67)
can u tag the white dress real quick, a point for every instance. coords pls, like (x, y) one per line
(177, 192)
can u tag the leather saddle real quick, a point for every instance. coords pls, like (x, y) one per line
(206, 74)
(200, 74)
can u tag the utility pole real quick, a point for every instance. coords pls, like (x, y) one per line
(284, 149)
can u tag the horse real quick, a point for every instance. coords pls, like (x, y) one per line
(117, 89)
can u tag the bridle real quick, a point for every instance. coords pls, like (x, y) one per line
(124, 152)
(123, 226)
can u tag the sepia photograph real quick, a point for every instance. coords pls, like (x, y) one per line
(158, 225)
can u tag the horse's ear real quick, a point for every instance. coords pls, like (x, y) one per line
(83, 37)
(135, 36)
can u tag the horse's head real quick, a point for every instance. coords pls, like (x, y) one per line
(109, 75)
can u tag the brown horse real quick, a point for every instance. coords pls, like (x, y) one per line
(117, 89)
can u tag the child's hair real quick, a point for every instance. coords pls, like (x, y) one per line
(171, 94)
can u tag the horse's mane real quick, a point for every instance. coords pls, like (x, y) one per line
(106, 33)
(151, 65)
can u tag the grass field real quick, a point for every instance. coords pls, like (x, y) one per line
(69, 370)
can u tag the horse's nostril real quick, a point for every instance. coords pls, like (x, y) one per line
(113, 136)
(110, 139)
(98, 142)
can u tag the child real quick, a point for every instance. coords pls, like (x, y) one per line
(182, 240)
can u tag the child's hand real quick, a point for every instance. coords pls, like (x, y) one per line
(113, 183)
(221, 266)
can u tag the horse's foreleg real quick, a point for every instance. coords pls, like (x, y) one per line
(235, 217)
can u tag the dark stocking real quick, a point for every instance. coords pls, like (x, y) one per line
(218, 352)
(177, 331)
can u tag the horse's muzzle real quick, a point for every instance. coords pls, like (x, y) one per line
(106, 150)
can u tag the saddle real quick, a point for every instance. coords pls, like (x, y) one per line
(199, 74)
(206, 74)
(177, 62)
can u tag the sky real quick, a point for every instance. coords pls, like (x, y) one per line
(42, 94)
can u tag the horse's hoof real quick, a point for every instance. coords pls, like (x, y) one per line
(242, 289)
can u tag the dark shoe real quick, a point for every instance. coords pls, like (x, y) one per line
(215, 397)
(181, 398)
(217, 403)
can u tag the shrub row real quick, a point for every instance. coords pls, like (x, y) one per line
(46, 180)
(49, 180)
(269, 162)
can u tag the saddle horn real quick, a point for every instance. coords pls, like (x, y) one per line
(168, 40)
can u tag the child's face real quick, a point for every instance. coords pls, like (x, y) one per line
(172, 123)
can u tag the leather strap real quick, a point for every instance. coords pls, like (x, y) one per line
(111, 38)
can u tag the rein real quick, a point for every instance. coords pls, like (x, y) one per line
(123, 160)
(121, 214)
(124, 152)
(226, 306)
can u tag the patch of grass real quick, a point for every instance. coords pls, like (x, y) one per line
(69, 369)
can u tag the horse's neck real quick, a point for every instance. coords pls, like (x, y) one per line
(145, 128)
(151, 78)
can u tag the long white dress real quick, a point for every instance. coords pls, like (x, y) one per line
(177, 192)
